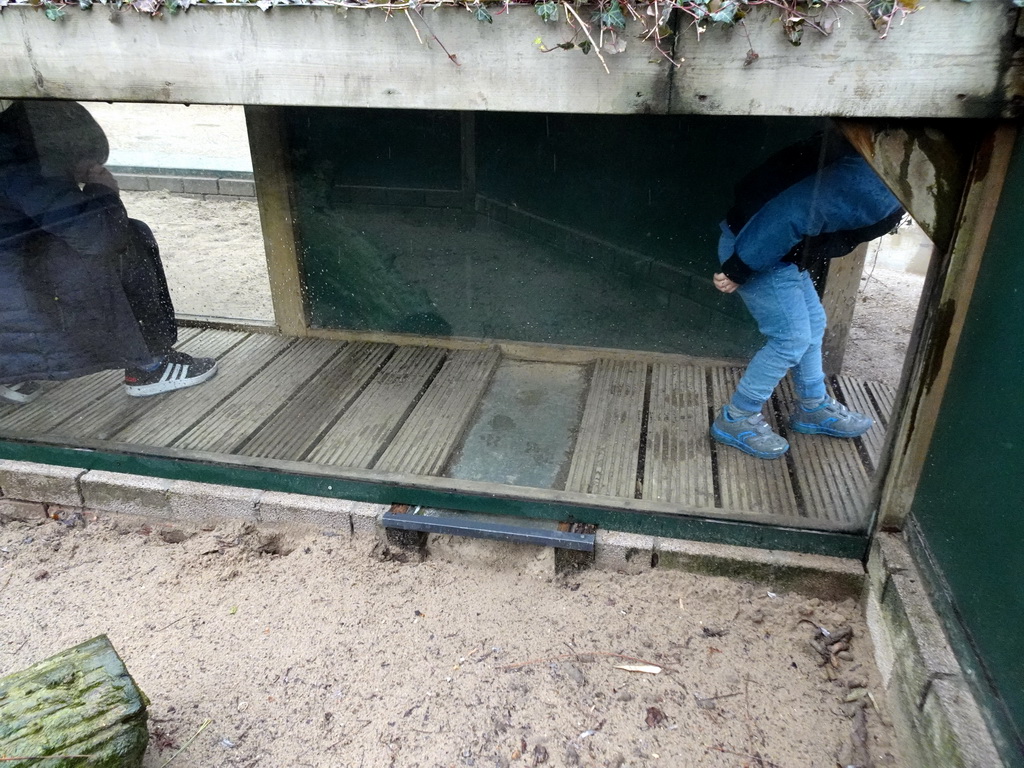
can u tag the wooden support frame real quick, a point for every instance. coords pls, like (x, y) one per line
(839, 300)
(275, 196)
(974, 190)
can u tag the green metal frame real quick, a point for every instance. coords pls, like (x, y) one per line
(738, 533)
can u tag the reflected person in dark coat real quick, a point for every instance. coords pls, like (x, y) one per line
(82, 288)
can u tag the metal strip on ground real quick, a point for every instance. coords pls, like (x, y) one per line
(748, 484)
(365, 428)
(677, 463)
(432, 431)
(607, 451)
(318, 404)
(452, 523)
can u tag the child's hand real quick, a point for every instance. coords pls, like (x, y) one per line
(724, 284)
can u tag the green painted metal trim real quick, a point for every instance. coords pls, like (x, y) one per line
(1000, 722)
(835, 544)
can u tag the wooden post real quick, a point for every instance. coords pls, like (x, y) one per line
(971, 207)
(81, 702)
(839, 300)
(276, 199)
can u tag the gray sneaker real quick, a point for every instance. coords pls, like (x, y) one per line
(830, 418)
(751, 434)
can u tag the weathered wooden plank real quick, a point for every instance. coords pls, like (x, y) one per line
(63, 400)
(364, 429)
(829, 472)
(432, 431)
(607, 453)
(951, 58)
(856, 394)
(242, 412)
(174, 415)
(677, 463)
(79, 701)
(275, 195)
(884, 397)
(315, 407)
(115, 410)
(748, 484)
(839, 301)
(933, 342)
(319, 57)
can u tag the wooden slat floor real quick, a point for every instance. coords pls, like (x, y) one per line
(367, 410)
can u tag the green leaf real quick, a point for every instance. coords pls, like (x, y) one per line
(85, 5)
(548, 10)
(53, 11)
(611, 17)
(482, 14)
(727, 13)
(585, 46)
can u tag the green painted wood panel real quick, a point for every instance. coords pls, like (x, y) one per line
(970, 502)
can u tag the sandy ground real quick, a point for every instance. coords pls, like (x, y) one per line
(212, 252)
(886, 308)
(331, 652)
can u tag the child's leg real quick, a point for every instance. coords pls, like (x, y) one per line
(778, 302)
(808, 375)
(817, 413)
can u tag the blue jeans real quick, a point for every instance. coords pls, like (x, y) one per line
(788, 312)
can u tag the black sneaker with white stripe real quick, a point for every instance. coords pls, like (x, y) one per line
(177, 371)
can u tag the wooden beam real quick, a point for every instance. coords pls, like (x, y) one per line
(951, 59)
(947, 297)
(275, 196)
(839, 300)
(926, 166)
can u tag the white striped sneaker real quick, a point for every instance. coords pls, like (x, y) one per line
(177, 371)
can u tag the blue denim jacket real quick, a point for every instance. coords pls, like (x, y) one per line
(845, 195)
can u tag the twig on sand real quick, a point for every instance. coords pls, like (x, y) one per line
(167, 626)
(758, 760)
(566, 656)
(206, 724)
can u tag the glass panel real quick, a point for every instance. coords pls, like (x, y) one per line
(583, 230)
(584, 244)
(186, 171)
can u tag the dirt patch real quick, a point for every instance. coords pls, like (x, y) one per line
(308, 649)
(882, 321)
(212, 252)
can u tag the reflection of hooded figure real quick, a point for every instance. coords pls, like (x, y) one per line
(81, 286)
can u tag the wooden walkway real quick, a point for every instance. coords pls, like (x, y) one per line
(386, 413)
